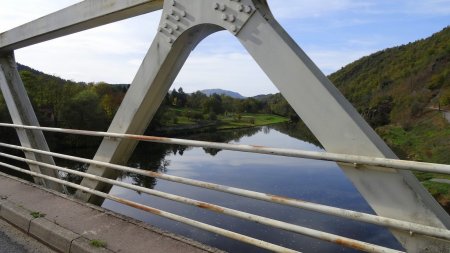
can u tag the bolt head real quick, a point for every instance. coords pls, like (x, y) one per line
(223, 7)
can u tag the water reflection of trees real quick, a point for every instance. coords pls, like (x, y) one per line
(299, 131)
(152, 156)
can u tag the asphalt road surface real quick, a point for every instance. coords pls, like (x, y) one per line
(13, 240)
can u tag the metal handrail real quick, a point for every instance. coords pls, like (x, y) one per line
(354, 160)
(344, 213)
(367, 247)
(204, 226)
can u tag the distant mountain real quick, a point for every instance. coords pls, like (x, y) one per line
(232, 94)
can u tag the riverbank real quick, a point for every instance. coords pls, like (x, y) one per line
(182, 124)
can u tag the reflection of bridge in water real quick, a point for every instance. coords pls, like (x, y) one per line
(401, 203)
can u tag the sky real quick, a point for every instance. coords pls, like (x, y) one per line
(333, 33)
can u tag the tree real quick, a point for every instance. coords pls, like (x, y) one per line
(213, 104)
(182, 98)
(84, 111)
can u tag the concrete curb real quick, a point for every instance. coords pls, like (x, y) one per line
(46, 231)
(62, 231)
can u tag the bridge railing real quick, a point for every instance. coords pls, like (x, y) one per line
(357, 161)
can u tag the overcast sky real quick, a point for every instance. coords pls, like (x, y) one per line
(332, 32)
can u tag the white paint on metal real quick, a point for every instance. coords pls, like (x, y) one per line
(21, 112)
(81, 16)
(333, 120)
(340, 129)
(194, 223)
(363, 217)
(353, 160)
(351, 243)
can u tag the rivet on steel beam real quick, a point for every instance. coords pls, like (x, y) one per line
(170, 40)
(166, 25)
(232, 18)
(176, 17)
(183, 13)
(224, 16)
(167, 16)
(233, 28)
(172, 12)
(170, 30)
(173, 3)
(248, 9)
(241, 8)
(223, 7)
(176, 27)
(216, 6)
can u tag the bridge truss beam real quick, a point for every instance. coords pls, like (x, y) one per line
(184, 23)
(21, 111)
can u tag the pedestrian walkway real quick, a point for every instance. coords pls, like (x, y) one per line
(71, 226)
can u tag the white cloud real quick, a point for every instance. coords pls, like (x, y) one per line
(429, 7)
(113, 53)
(291, 9)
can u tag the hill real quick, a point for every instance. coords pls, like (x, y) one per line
(232, 94)
(399, 91)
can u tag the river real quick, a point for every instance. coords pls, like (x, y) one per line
(315, 181)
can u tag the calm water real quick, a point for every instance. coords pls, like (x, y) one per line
(316, 181)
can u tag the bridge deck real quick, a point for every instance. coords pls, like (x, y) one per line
(78, 223)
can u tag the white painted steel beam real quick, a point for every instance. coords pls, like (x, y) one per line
(340, 129)
(184, 23)
(81, 16)
(151, 83)
(21, 112)
(333, 120)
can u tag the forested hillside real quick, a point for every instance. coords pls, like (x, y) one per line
(78, 105)
(396, 89)
(400, 91)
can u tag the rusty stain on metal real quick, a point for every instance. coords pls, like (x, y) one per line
(137, 205)
(282, 199)
(351, 244)
(148, 138)
(210, 207)
(257, 146)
